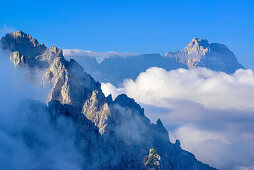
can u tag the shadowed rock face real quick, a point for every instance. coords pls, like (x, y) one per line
(114, 133)
(201, 53)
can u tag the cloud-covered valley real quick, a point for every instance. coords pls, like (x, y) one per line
(211, 112)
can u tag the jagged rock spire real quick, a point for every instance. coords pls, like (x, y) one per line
(126, 134)
(26, 50)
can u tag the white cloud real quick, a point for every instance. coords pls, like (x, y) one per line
(108, 89)
(98, 55)
(209, 88)
(212, 113)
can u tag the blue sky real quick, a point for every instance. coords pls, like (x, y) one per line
(142, 26)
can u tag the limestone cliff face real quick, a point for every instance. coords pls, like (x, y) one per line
(97, 109)
(115, 134)
(26, 50)
(201, 53)
(71, 85)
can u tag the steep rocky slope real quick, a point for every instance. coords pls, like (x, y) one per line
(111, 134)
(26, 50)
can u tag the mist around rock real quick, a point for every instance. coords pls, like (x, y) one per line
(28, 138)
(210, 112)
(77, 127)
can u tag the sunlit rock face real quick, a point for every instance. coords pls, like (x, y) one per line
(26, 50)
(111, 134)
(201, 53)
(71, 85)
(153, 160)
(97, 109)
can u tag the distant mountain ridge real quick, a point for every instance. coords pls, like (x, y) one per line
(201, 53)
(111, 134)
(198, 53)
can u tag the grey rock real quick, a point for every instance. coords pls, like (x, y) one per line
(98, 110)
(198, 53)
(115, 134)
(201, 53)
(26, 50)
(71, 85)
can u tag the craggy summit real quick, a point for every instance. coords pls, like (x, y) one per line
(111, 134)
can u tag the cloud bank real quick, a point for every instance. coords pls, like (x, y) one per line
(209, 88)
(212, 113)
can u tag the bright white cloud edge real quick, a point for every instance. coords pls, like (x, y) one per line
(212, 112)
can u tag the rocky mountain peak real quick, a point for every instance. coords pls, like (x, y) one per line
(71, 85)
(21, 34)
(159, 123)
(196, 48)
(126, 134)
(201, 53)
(19, 41)
(26, 50)
(56, 50)
(126, 102)
(198, 41)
